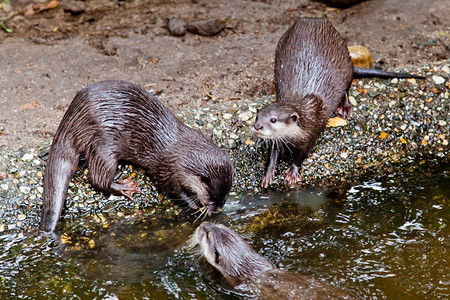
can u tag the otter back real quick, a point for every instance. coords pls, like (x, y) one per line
(112, 121)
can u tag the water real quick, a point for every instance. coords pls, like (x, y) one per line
(387, 238)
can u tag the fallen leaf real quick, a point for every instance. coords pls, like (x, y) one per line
(403, 140)
(336, 122)
(29, 105)
(52, 4)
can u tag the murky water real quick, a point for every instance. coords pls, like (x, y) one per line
(387, 239)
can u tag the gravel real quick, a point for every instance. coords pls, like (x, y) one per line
(394, 122)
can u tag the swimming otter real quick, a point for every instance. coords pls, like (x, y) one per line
(245, 269)
(313, 72)
(112, 121)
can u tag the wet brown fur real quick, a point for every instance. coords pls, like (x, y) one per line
(313, 72)
(112, 121)
(244, 268)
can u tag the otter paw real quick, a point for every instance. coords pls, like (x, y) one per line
(292, 175)
(345, 110)
(125, 187)
(268, 178)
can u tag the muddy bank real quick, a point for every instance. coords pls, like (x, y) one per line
(52, 53)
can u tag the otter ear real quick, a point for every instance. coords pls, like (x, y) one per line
(294, 117)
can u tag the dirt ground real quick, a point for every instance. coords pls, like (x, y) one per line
(57, 47)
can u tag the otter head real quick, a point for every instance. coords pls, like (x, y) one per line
(229, 253)
(292, 120)
(206, 177)
(277, 121)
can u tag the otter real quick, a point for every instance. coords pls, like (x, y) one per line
(245, 269)
(313, 73)
(112, 121)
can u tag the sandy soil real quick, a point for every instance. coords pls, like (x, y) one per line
(56, 48)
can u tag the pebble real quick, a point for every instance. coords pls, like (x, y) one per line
(227, 116)
(438, 79)
(245, 116)
(24, 189)
(177, 27)
(28, 157)
(206, 27)
(352, 101)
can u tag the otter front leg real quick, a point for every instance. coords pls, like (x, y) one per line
(101, 174)
(125, 187)
(292, 173)
(270, 171)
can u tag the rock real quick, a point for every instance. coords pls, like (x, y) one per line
(73, 7)
(361, 56)
(438, 79)
(340, 3)
(177, 27)
(28, 157)
(206, 27)
(245, 116)
(227, 116)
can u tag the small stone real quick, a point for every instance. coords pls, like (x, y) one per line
(227, 116)
(352, 101)
(177, 27)
(234, 136)
(24, 189)
(344, 155)
(249, 142)
(446, 69)
(206, 27)
(21, 217)
(445, 142)
(438, 79)
(2, 227)
(394, 80)
(28, 157)
(3, 175)
(411, 80)
(245, 116)
(442, 123)
(72, 7)
(383, 135)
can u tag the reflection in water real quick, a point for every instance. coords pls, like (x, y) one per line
(389, 238)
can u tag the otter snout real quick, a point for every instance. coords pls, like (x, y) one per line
(258, 126)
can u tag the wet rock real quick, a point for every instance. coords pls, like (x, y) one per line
(361, 56)
(73, 7)
(438, 79)
(206, 27)
(340, 3)
(177, 27)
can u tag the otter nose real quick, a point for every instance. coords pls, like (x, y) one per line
(258, 126)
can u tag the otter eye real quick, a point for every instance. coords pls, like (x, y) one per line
(273, 120)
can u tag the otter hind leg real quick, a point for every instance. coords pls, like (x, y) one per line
(61, 165)
(344, 108)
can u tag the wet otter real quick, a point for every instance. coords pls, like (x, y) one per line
(245, 269)
(112, 121)
(313, 72)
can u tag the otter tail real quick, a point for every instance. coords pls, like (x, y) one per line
(61, 165)
(365, 73)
